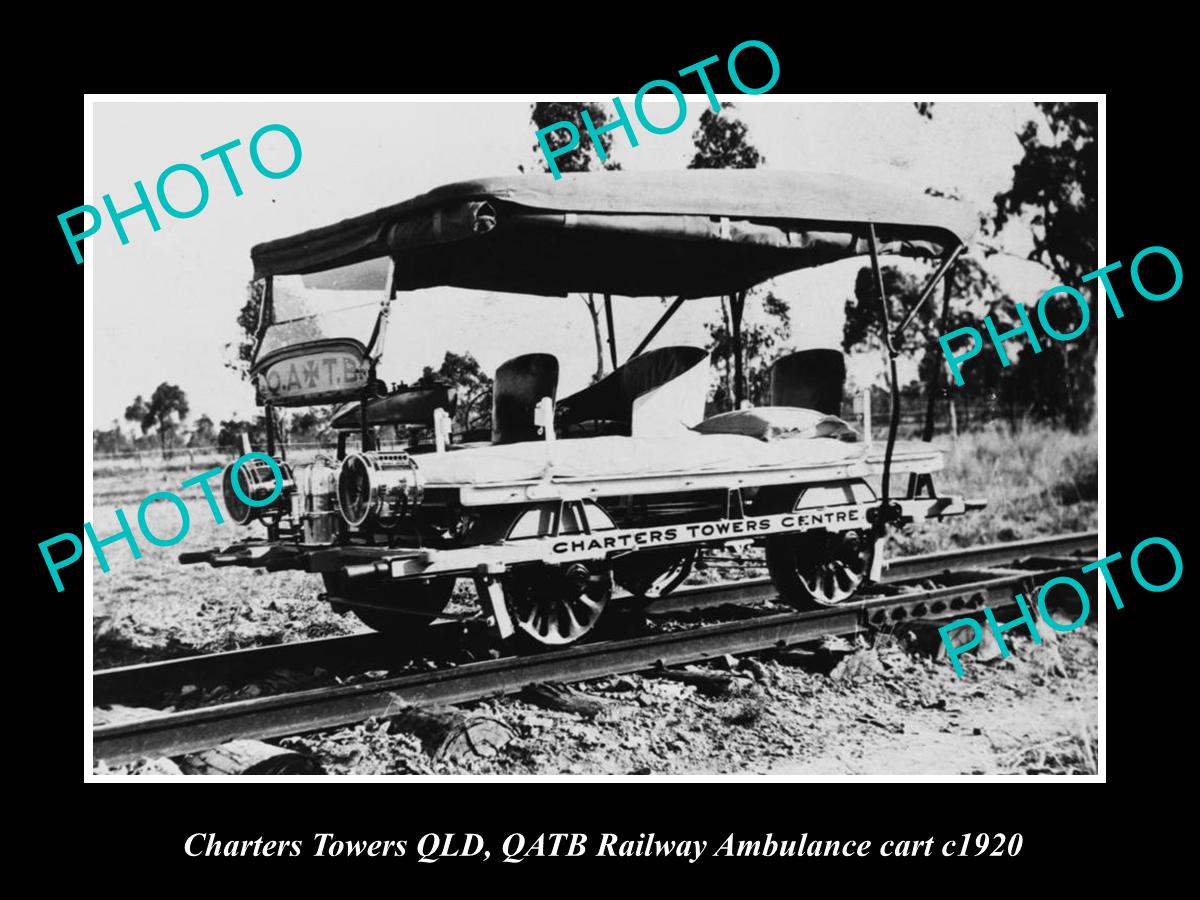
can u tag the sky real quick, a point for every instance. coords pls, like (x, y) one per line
(166, 303)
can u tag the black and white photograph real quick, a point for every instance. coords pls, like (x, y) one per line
(688, 437)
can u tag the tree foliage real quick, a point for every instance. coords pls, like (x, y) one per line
(311, 425)
(1054, 195)
(111, 441)
(1055, 185)
(974, 294)
(463, 372)
(584, 158)
(764, 328)
(230, 432)
(721, 143)
(240, 354)
(204, 432)
(164, 412)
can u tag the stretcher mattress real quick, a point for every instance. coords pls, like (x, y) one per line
(615, 456)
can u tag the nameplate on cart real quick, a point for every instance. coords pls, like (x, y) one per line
(323, 371)
(839, 518)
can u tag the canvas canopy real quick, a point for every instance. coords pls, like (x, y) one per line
(695, 233)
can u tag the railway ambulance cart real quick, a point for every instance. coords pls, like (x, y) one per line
(563, 498)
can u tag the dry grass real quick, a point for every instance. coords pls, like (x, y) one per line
(1037, 481)
(1075, 753)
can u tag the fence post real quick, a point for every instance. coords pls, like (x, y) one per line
(866, 414)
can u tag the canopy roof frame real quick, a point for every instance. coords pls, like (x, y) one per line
(714, 231)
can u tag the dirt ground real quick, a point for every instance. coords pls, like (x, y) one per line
(883, 710)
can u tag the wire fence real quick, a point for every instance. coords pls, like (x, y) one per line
(189, 453)
(949, 418)
(195, 458)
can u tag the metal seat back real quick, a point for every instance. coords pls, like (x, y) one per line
(809, 379)
(520, 384)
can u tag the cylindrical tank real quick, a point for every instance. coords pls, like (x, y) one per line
(319, 518)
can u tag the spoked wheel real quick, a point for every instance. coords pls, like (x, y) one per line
(393, 607)
(816, 569)
(553, 606)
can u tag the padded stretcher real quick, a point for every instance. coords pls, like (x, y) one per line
(683, 454)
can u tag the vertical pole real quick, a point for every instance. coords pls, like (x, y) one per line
(543, 417)
(270, 410)
(953, 422)
(886, 329)
(737, 303)
(935, 377)
(866, 414)
(612, 338)
(441, 430)
(365, 434)
(266, 314)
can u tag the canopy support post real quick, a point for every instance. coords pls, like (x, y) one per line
(947, 262)
(935, 377)
(886, 511)
(737, 303)
(367, 437)
(270, 417)
(379, 332)
(266, 313)
(612, 338)
(269, 409)
(653, 332)
(917, 483)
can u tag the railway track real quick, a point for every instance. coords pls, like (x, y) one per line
(969, 580)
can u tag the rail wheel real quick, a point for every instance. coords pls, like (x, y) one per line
(553, 606)
(816, 569)
(393, 607)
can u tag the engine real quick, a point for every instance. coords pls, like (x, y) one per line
(378, 487)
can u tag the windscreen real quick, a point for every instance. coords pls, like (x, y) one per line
(338, 303)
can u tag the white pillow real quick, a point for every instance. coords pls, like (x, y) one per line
(769, 423)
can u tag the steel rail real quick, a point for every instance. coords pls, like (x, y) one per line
(1010, 553)
(131, 683)
(176, 733)
(139, 681)
(906, 568)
